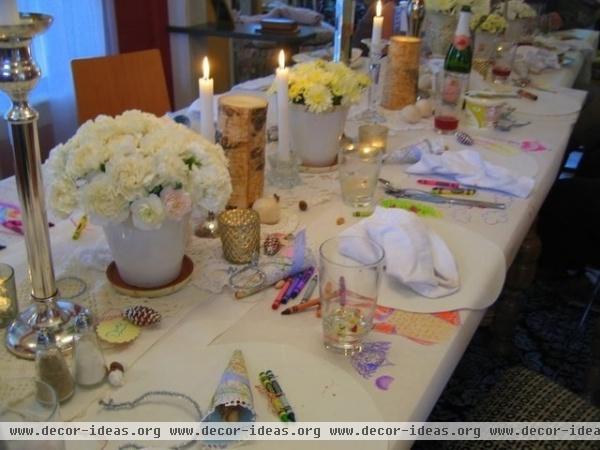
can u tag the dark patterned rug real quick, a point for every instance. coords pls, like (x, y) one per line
(544, 342)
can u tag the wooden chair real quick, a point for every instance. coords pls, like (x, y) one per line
(113, 84)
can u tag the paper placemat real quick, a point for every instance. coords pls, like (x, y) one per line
(481, 266)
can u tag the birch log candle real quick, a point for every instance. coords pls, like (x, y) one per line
(402, 74)
(242, 120)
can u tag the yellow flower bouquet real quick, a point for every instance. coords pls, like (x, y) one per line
(322, 85)
(490, 23)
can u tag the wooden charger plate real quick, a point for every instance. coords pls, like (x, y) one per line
(187, 267)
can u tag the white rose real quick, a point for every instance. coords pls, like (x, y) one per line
(148, 213)
(102, 201)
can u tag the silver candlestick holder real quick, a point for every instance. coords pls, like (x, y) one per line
(18, 76)
(344, 27)
(371, 115)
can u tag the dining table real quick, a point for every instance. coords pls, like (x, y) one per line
(416, 346)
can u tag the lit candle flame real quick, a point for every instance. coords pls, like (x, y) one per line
(281, 59)
(378, 8)
(205, 69)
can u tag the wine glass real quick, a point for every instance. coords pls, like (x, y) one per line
(503, 62)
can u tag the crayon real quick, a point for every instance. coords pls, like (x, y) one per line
(453, 191)
(279, 392)
(310, 289)
(437, 183)
(281, 293)
(301, 307)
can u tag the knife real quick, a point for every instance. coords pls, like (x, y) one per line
(426, 197)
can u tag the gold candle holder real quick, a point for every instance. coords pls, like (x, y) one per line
(240, 235)
(373, 135)
(8, 295)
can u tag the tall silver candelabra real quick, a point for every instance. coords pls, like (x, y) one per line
(18, 76)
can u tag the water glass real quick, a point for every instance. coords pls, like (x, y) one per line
(8, 295)
(349, 275)
(449, 97)
(503, 62)
(521, 71)
(24, 399)
(359, 167)
(373, 135)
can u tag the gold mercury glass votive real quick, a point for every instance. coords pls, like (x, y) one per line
(8, 295)
(240, 235)
(374, 136)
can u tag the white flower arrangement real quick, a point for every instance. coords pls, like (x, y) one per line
(453, 6)
(517, 9)
(137, 165)
(491, 23)
(321, 85)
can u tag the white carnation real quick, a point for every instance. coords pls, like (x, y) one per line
(102, 201)
(131, 174)
(63, 196)
(148, 213)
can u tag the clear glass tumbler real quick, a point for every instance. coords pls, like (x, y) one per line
(348, 288)
(25, 399)
(359, 167)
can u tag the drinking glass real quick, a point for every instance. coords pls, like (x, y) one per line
(449, 97)
(349, 276)
(503, 61)
(359, 167)
(373, 135)
(26, 399)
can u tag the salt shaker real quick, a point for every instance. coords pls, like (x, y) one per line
(89, 363)
(52, 367)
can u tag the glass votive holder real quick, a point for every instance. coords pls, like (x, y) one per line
(240, 235)
(373, 135)
(8, 295)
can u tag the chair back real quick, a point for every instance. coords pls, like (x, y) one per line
(113, 84)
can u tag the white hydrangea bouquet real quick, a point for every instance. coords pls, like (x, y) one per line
(322, 85)
(517, 9)
(140, 166)
(490, 23)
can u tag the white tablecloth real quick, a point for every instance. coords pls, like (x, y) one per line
(419, 372)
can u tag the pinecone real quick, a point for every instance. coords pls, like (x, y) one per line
(272, 245)
(463, 138)
(142, 315)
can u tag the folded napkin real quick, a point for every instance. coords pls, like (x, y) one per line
(469, 168)
(414, 255)
(539, 59)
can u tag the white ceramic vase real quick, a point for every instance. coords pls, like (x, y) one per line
(148, 259)
(316, 136)
(439, 32)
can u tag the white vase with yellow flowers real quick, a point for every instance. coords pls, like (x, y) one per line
(320, 95)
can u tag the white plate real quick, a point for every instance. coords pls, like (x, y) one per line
(481, 266)
(547, 104)
(317, 390)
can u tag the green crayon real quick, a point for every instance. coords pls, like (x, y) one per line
(275, 399)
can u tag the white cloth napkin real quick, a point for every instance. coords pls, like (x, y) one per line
(469, 168)
(539, 59)
(414, 255)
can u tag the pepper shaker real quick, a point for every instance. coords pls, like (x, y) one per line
(51, 366)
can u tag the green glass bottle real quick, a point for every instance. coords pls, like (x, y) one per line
(460, 54)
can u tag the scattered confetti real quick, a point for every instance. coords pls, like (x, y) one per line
(384, 382)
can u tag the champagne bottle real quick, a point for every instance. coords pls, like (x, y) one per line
(459, 56)
(457, 65)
